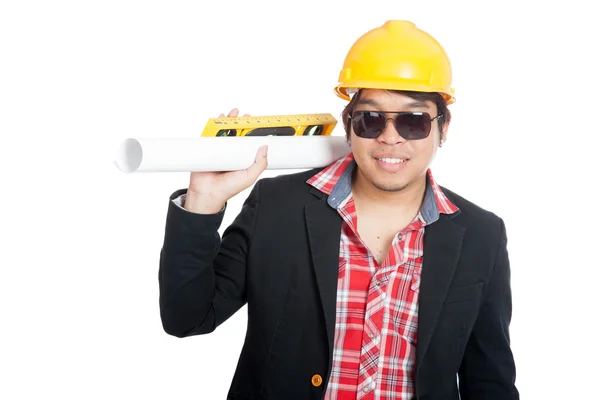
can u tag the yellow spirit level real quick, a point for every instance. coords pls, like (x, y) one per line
(273, 125)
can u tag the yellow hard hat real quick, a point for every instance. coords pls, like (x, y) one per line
(396, 56)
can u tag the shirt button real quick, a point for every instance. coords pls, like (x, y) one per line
(366, 389)
(316, 380)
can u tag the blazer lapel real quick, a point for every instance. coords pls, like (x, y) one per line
(443, 241)
(324, 226)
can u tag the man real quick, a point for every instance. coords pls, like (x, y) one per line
(364, 279)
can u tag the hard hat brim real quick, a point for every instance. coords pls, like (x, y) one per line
(342, 90)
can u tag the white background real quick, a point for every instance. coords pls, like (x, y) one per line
(80, 240)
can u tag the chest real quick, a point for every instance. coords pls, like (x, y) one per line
(377, 242)
(378, 234)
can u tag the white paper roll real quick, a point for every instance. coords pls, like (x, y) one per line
(227, 153)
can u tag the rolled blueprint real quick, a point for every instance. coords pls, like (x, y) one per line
(227, 153)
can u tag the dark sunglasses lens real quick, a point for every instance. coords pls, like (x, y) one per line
(368, 124)
(413, 126)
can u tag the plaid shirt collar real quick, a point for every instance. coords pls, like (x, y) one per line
(336, 181)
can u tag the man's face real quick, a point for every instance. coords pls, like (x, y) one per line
(378, 159)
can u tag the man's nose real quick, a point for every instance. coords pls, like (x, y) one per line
(390, 135)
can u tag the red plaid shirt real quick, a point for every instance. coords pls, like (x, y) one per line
(377, 305)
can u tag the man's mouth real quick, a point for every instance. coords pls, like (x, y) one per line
(391, 160)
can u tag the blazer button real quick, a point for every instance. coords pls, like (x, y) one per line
(317, 380)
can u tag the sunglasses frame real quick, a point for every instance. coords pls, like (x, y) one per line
(424, 113)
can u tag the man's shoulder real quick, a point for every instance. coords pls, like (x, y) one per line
(284, 195)
(471, 213)
(289, 181)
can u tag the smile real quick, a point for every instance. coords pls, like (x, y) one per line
(392, 160)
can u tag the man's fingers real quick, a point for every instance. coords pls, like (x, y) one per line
(233, 113)
(260, 163)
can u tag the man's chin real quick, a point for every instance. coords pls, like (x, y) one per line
(390, 186)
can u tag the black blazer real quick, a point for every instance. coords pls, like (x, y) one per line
(280, 257)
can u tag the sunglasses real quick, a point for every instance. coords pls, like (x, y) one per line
(410, 125)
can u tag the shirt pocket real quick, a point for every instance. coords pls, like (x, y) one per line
(404, 313)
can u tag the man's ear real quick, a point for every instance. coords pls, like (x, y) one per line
(446, 124)
(444, 132)
(347, 128)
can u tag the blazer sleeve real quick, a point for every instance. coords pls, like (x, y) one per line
(201, 277)
(488, 368)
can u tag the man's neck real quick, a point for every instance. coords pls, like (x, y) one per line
(405, 201)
